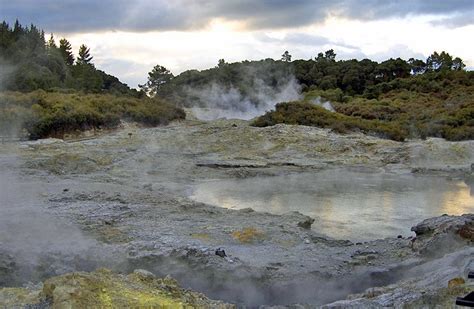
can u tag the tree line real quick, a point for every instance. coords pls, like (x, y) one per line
(31, 62)
(395, 99)
(356, 77)
(352, 77)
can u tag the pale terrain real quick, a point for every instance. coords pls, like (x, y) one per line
(121, 201)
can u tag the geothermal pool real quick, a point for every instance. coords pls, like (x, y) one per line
(346, 204)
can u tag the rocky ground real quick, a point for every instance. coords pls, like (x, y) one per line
(121, 201)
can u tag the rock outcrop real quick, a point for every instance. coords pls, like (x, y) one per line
(440, 235)
(445, 245)
(105, 289)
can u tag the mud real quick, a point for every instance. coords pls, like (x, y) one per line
(121, 201)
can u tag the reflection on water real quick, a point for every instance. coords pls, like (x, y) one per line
(346, 204)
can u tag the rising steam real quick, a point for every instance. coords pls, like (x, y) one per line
(229, 102)
(323, 103)
(34, 244)
(6, 71)
(10, 126)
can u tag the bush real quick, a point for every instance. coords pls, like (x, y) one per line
(304, 113)
(406, 111)
(46, 114)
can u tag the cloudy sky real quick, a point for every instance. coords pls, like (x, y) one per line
(128, 37)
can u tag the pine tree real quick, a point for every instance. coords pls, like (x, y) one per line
(18, 30)
(51, 42)
(84, 55)
(42, 37)
(66, 51)
(156, 79)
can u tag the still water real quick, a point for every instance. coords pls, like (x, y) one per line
(346, 204)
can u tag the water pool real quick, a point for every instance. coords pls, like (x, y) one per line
(346, 204)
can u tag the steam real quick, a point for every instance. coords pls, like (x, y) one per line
(10, 126)
(6, 71)
(34, 244)
(229, 102)
(323, 103)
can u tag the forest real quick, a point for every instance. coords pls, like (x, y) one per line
(32, 62)
(48, 91)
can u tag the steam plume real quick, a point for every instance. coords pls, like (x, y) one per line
(229, 102)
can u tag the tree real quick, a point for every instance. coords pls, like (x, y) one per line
(444, 62)
(221, 63)
(87, 78)
(84, 55)
(433, 62)
(393, 68)
(66, 51)
(417, 66)
(439, 62)
(158, 77)
(286, 57)
(330, 55)
(458, 64)
(52, 43)
(320, 57)
(18, 30)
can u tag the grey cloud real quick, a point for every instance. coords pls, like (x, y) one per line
(458, 20)
(374, 9)
(147, 15)
(304, 40)
(132, 73)
(396, 51)
(393, 51)
(297, 38)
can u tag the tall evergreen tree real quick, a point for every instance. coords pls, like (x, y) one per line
(18, 30)
(51, 42)
(42, 36)
(84, 55)
(5, 37)
(66, 51)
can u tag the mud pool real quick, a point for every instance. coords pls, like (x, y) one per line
(350, 205)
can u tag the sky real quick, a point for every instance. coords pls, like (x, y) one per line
(128, 37)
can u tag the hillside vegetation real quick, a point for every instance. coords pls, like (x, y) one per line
(45, 114)
(48, 92)
(29, 62)
(395, 99)
(433, 104)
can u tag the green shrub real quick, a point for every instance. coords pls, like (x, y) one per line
(46, 114)
(304, 113)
